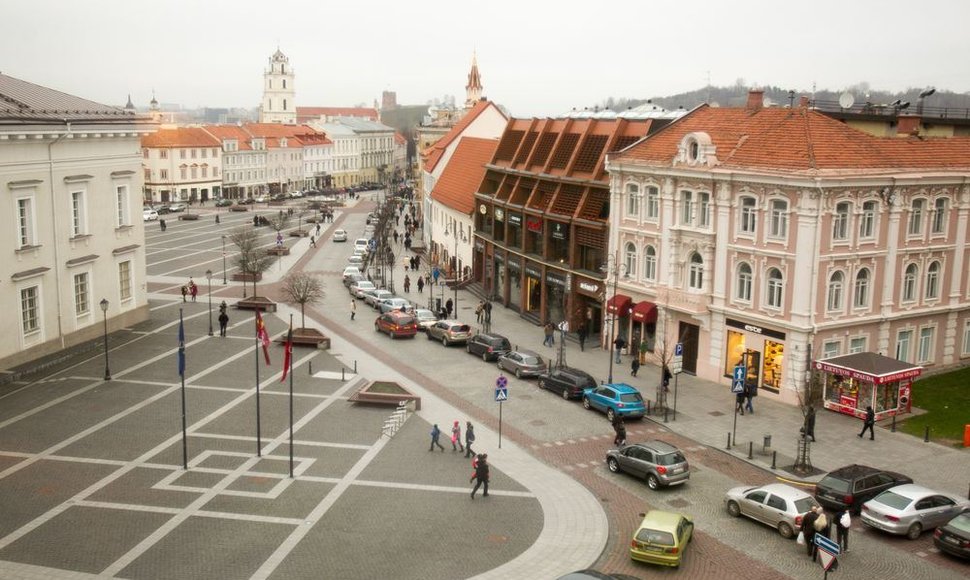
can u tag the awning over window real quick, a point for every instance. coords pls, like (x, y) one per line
(645, 312)
(619, 303)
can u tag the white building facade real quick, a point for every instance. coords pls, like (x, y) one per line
(181, 164)
(279, 93)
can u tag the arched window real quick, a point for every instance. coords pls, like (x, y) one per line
(909, 283)
(632, 200)
(744, 282)
(867, 222)
(775, 288)
(630, 260)
(840, 222)
(939, 216)
(836, 281)
(933, 281)
(861, 294)
(650, 263)
(696, 273)
(749, 215)
(916, 217)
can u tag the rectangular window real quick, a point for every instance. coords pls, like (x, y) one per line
(925, 351)
(704, 211)
(124, 279)
(163, 174)
(653, 203)
(867, 221)
(749, 215)
(840, 222)
(25, 222)
(205, 171)
(181, 153)
(966, 338)
(857, 344)
(183, 173)
(30, 310)
(163, 153)
(903, 340)
(916, 217)
(195, 173)
(77, 213)
(81, 299)
(779, 219)
(148, 175)
(939, 216)
(194, 153)
(205, 153)
(121, 205)
(686, 208)
(831, 348)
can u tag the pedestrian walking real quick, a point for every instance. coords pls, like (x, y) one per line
(620, 429)
(822, 526)
(809, 428)
(193, 290)
(456, 438)
(549, 332)
(480, 311)
(469, 438)
(870, 422)
(481, 475)
(666, 376)
(739, 401)
(420, 284)
(407, 283)
(842, 530)
(808, 529)
(582, 332)
(353, 308)
(395, 236)
(435, 434)
(185, 292)
(488, 311)
(619, 343)
(435, 273)
(750, 392)
(635, 366)
(318, 229)
(448, 306)
(223, 322)
(313, 242)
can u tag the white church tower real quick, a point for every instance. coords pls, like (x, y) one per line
(279, 96)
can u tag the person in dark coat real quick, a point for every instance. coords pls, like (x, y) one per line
(810, 423)
(739, 401)
(750, 392)
(869, 423)
(808, 529)
(582, 333)
(448, 306)
(469, 439)
(435, 434)
(619, 344)
(420, 283)
(620, 429)
(223, 322)
(635, 366)
(481, 475)
(842, 525)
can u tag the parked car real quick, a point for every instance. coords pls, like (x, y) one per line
(358, 288)
(425, 318)
(853, 485)
(279, 197)
(246, 201)
(361, 243)
(262, 198)
(954, 537)
(351, 270)
(449, 332)
(662, 538)
(659, 462)
(351, 278)
(372, 297)
(355, 260)
(223, 202)
(522, 363)
(396, 324)
(568, 382)
(778, 505)
(295, 194)
(340, 236)
(360, 252)
(911, 509)
(149, 215)
(488, 346)
(613, 399)
(176, 207)
(394, 303)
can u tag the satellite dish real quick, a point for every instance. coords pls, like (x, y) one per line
(846, 100)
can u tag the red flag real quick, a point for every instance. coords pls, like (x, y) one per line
(287, 353)
(262, 336)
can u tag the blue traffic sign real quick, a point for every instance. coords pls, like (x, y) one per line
(739, 372)
(679, 349)
(826, 544)
(501, 382)
(501, 395)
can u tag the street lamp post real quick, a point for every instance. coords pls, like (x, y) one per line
(104, 313)
(613, 266)
(208, 277)
(457, 233)
(224, 280)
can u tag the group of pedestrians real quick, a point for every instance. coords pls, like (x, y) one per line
(744, 401)
(817, 521)
(480, 474)
(190, 289)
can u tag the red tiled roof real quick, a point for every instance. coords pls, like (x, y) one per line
(236, 132)
(180, 137)
(399, 139)
(304, 114)
(433, 154)
(797, 140)
(298, 135)
(459, 181)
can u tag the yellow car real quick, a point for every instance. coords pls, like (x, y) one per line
(662, 538)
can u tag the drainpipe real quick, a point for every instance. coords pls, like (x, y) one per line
(813, 291)
(56, 229)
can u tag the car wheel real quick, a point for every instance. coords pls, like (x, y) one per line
(914, 531)
(485, 357)
(518, 373)
(377, 328)
(468, 348)
(542, 384)
(613, 465)
(652, 482)
(444, 341)
(734, 509)
(785, 530)
(430, 337)
(565, 394)
(586, 404)
(610, 414)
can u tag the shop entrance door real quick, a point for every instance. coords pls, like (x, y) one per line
(690, 335)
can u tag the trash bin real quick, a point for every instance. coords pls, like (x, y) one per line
(766, 448)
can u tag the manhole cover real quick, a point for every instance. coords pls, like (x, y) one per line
(716, 414)
(497, 539)
(537, 423)
(678, 503)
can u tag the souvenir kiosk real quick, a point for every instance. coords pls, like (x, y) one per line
(852, 382)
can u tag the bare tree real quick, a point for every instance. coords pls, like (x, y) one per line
(279, 222)
(251, 260)
(302, 288)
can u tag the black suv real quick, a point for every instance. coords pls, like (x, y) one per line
(488, 346)
(853, 485)
(567, 381)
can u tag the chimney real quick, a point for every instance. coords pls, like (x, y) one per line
(803, 101)
(756, 99)
(907, 125)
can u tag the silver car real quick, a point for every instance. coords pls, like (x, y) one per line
(393, 303)
(449, 332)
(659, 462)
(373, 297)
(358, 288)
(777, 505)
(426, 319)
(910, 509)
(522, 363)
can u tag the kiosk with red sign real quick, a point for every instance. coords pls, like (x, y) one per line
(855, 381)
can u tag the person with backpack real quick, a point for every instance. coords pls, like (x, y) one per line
(620, 429)
(456, 438)
(842, 530)
(481, 475)
(435, 434)
(869, 423)
(469, 439)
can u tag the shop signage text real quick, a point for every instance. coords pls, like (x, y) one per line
(555, 279)
(590, 287)
(861, 376)
(515, 219)
(558, 231)
(755, 329)
(530, 271)
(533, 224)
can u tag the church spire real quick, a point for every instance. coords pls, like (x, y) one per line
(473, 90)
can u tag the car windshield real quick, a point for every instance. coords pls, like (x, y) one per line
(531, 360)
(961, 522)
(655, 537)
(893, 500)
(804, 504)
(631, 398)
(402, 320)
(835, 484)
(671, 458)
(460, 328)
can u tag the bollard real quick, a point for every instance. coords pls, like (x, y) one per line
(892, 428)
(729, 442)
(665, 413)
(926, 435)
(648, 407)
(342, 377)
(750, 449)
(774, 459)
(355, 366)
(310, 367)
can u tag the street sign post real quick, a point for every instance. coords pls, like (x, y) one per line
(826, 544)
(677, 362)
(501, 395)
(737, 385)
(828, 551)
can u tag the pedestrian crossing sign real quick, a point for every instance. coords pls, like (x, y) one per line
(501, 395)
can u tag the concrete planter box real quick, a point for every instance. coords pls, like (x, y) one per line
(308, 337)
(189, 216)
(238, 208)
(284, 251)
(246, 277)
(260, 303)
(384, 393)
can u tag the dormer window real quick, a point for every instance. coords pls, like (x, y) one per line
(696, 149)
(693, 149)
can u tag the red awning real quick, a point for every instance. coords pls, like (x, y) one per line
(645, 312)
(618, 303)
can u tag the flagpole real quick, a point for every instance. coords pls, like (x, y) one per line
(289, 350)
(185, 444)
(259, 443)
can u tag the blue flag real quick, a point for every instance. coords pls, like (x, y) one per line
(181, 346)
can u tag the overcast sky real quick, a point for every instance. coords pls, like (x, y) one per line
(538, 58)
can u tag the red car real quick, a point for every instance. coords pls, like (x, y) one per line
(396, 323)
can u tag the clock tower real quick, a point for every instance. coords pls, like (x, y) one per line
(279, 96)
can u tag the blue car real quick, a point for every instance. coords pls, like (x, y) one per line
(615, 399)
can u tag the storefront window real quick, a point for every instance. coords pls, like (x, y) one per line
(515, 286)
(533, 242)
(555, 301)
(774, 354)
(499, 289)
(558, 242)
(734, 353)
(498, 231)
(533, 294)
(515, 231)
(590, 258)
